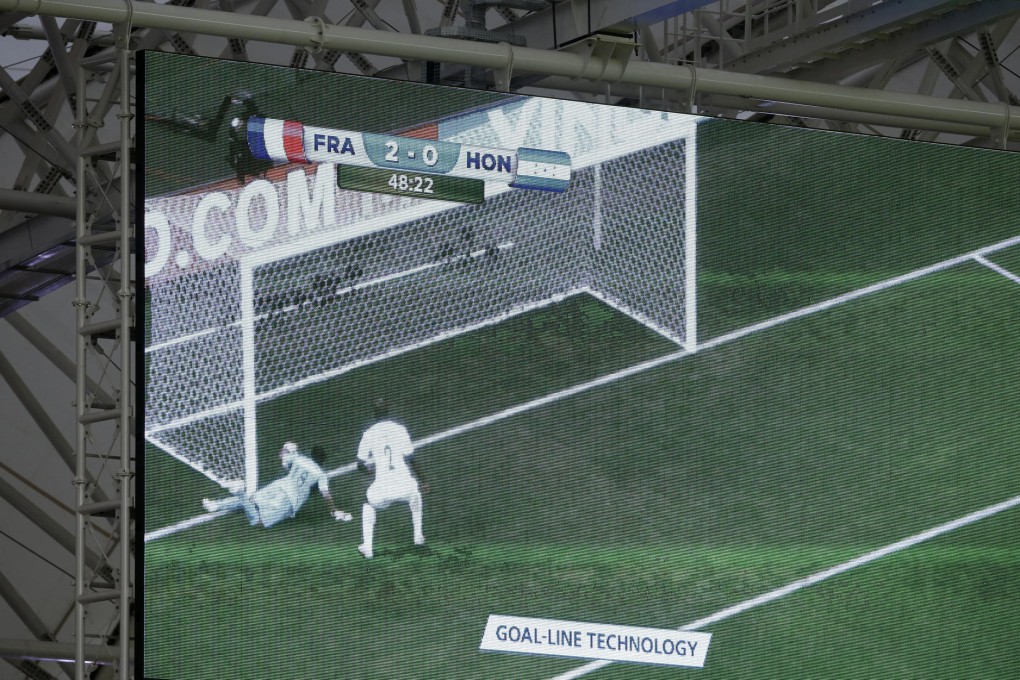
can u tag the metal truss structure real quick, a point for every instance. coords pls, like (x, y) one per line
(932, 70)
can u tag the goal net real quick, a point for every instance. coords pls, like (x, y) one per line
(364, 277)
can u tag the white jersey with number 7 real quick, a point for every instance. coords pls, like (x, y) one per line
(387, 445)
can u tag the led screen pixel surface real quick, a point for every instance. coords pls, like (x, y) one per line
(715, 364)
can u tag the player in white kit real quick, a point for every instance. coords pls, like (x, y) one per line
(386, 448)
(285, 496)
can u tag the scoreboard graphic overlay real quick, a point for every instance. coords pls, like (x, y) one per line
(691, 396)
(290, 141)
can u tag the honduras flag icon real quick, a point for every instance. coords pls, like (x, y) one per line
(542, 169)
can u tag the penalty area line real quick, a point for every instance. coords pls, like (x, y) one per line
(817, 577)
(997, 269)
(977, 255)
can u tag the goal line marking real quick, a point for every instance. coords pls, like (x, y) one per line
(721, 340)
(673, 356)
(817, 577)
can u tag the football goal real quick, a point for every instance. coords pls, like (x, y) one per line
(381, 275)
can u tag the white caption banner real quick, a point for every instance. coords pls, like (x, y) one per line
(549, 637)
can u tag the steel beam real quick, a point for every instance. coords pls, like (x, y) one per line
(22, 99)
(988, 47)
(971, 73)
(650, 47)
(449, 14)
(526, 60)
(29, 669)
(118, 320)
(411, 12)
(23, 610)
(573, 22)
(56, 357)
(34, 140)
(236, 49)
(801, 45)
(57, 43)
(368, 12)
(44, 422)
(769, 107)
(949, 65)
(50, 526)
(125, 302)
(31, 237)
(908, 39)
(326, 60)
(728, 49)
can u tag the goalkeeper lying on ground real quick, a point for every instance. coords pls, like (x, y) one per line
(284, 497)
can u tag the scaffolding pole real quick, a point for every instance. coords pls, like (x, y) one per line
(116, 411)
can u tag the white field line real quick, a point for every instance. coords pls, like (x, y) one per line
(860, 292)
(674, 356)
(473, 255)
(550, 398)
(475, 424)
(715, 342)
(224, 409)
(202, 519)
(996, 268)
(811, 580)
(181, 526)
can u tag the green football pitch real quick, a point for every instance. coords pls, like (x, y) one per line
(656, 499)
(582, 468)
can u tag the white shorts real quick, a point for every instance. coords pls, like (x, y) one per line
(380, 495)
(273, 504)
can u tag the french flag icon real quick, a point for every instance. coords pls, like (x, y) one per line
(276, 140)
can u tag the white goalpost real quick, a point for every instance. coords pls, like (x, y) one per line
(357, 278)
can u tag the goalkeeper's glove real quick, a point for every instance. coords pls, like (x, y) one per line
(341, 516)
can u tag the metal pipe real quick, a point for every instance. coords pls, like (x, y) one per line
(50, 526)
(125, 297)
(526, 60)
(42, 418)
(44, 126)
(81, 305)
(34, 202)
(23, 610)
(54, 651)
(99, 508)
(55, 39)
(100, 596)
(777, 108)
(100, 327)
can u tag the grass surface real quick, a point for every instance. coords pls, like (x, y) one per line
(1008, 259)
(653, 501)
(787, 217)
(666, 496)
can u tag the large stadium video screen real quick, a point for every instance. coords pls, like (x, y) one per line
(446, 383)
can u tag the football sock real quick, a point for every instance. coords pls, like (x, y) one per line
(416, 512)
(367, 525)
